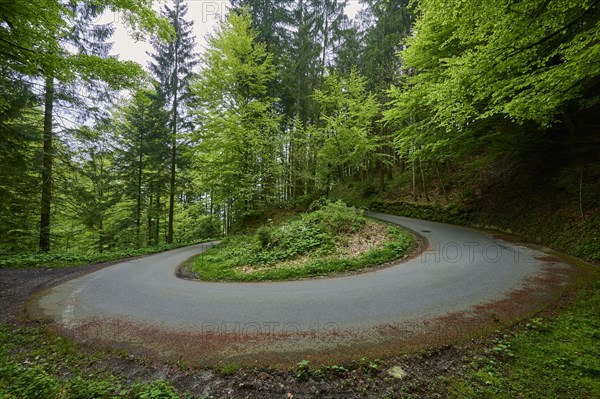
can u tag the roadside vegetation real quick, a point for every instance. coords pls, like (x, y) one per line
(555, 354)
(36, 364)
(66, 259)
(333, 239)
(544, 358)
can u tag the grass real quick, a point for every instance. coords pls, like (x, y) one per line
(314, 244)
(61, 259)
(557, 358)
(37, 364)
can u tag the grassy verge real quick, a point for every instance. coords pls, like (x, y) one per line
(555, 358)
(36, 364)
(334, 239)
(61, 259)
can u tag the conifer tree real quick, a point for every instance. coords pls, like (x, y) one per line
(173, 63)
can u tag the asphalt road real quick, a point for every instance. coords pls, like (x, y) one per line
(460, 269)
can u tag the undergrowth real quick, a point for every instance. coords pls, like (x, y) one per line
(313, 239)
(62, 259)
(35, 364)
(557, 358)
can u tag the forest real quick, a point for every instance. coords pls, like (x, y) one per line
(290, 102)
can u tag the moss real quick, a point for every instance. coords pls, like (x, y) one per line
(453, 214)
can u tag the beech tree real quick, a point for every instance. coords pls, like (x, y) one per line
(343, 141)
(470, 62)
(238, 134)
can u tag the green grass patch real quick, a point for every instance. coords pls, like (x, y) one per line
(36, 364)
(559, 358)
(313, 244)
(61, 259)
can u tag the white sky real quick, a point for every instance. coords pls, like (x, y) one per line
(204, 13)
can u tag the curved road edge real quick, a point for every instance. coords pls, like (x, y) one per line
(458, 287)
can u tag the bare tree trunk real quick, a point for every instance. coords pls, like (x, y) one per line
(423, 179)
(47, 167)
(138, 216)
(157, 225)
(381, 177)
(149, 221)
(437, 170)
(581, 195)
(173, 153)
(172, 186)
(414, 180)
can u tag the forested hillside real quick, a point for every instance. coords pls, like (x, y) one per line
(486, 108)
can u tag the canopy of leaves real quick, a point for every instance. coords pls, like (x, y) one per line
(469, 61)
(237, 135)
(347, 113)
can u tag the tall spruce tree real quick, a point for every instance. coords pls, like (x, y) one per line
(142, 130)
(76, 57)
(174, 61)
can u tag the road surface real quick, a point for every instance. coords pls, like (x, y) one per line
(463, 274)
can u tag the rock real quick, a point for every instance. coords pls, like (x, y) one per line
(397, 372)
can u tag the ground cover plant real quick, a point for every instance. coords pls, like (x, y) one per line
(58, 259)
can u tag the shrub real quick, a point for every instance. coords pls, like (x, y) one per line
(337, 218)
(265, 236)
(80, 388)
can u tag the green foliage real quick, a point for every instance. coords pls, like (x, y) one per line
(311, 240)
(61, 259)
(474, 64)
(191, 224)
(157, 389)
(342, 138)
(35, 32)
(562, 356)
(37, 364)
(238, 134)
(32, 383)
(453, 213)
(367, 365)
(337, 218)
(84, 388)
(265, 236)
(303, 369)
(228, 370)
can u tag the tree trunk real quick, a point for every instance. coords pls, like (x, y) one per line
(325, 38)
(157, 225)
(441, 181)
(172, 181)
(101, 236)
(138, 219)
(423, 179)
(149, 221)
(381, 177)
(47, 167)
(175, 94)
(414, 181)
